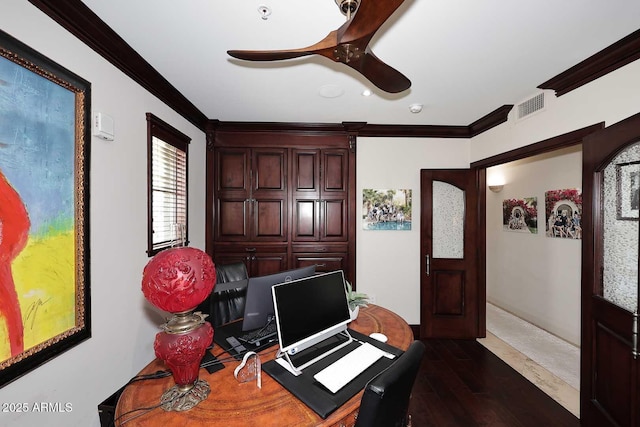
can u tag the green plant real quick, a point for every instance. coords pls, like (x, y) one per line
(356, 299)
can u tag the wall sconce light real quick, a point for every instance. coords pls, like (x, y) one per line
(496, 188)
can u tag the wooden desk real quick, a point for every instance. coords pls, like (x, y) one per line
(231, 404)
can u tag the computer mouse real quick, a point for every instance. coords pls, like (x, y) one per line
(378, 336)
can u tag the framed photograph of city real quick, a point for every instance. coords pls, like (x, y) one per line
(44, 209)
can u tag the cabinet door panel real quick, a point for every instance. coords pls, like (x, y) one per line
(269, 169)
(269, 217)
(334, 218)
(335, 170)
(232, 170)
(305, 219)
(232, 220)
(306, 171)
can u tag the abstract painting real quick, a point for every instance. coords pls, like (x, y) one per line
(44, 230)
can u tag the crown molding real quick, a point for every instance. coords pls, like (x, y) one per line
(79, 20)
(619, 54)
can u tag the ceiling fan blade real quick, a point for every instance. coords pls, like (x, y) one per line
(268, 55)
(380, 74)
(323, 47)
(346, 45)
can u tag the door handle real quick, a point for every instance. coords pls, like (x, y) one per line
(428, 265)
(634, 336)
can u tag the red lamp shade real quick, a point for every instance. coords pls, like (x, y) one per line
(178, 279)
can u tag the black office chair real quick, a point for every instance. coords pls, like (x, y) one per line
(227, 305)
(385, 402)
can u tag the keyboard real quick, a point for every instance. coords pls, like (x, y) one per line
(253, 337)
(349, 366)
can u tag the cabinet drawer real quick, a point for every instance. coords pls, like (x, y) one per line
(323, 262)
(249, 248)
(319, 248)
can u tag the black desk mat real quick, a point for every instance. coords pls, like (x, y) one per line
(314, 394)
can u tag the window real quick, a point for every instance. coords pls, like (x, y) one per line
(167, 189)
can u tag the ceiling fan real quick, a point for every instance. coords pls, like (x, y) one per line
(349, 44)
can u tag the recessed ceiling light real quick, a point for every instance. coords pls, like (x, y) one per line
(415, 108)
(367, 92)
(330, 91)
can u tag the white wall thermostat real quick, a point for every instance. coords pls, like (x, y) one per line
(103, 126)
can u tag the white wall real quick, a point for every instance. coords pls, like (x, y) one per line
(123, 324)
(387, 262)
(531, 275)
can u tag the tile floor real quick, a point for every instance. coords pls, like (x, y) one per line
(549, 362)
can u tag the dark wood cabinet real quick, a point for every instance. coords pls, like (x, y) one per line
(251, 197)
(320, 195)
(279, 200)
(260, 260)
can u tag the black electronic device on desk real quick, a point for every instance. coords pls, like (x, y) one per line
(313, 394)
(257, 329)
(312, 316)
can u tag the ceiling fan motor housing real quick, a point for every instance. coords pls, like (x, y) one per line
(348, 6)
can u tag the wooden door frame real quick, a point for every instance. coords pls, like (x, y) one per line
(555, 143)
(596, 158)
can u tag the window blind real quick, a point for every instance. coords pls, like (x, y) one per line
(169, 195)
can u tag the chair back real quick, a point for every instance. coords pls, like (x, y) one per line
(227, 305)
(385, 401)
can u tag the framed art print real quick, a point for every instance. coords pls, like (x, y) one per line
(628, 185)
(44, 217)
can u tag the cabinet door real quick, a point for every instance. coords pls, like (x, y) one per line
(333, 217)
(233, 191)
(269, 195)
(320, 195)
(232, 172)
(335, 172)
(305, 182)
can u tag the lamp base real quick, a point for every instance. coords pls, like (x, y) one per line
(176, 399)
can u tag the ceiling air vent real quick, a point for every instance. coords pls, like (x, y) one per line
(531, 105)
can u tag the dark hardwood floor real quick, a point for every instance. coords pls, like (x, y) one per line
(462, 384)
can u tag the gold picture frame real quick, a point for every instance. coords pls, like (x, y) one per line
(44, 212)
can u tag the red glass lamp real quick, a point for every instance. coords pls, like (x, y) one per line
(177, 280)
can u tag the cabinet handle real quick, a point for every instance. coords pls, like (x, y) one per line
(321, 265)
(250, 249)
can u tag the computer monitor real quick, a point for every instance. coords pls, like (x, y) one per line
(258, 306)
(309, 311)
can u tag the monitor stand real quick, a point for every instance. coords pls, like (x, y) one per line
(297, 362)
